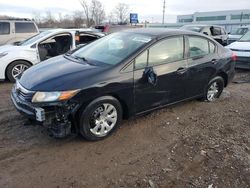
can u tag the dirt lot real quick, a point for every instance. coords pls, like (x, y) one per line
(195, 144)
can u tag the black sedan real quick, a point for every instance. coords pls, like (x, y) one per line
(122, 75)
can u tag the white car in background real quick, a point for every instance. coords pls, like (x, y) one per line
(16, 58)
(241, 48)
(16, 30)
(235, 36)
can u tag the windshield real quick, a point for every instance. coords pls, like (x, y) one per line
(33, 39)
(113, 48)
(246, 37)
(240, 31)
(193, 28)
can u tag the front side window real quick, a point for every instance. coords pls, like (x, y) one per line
(166, 51)
(198, 47)
(23, 27)
(4, 28)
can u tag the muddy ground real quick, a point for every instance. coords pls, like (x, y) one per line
(193, 144)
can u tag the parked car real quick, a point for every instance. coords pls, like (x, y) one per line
(16, 58)
(235, 36)
(218, 33)
(122, 75)
(242, 49)
(16, 30)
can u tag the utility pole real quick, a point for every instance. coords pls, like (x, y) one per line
(163, 16)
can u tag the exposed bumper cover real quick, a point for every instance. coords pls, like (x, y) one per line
(35, 113)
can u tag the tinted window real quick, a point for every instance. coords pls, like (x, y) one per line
(212, 47)
(198, 47)
(4, 28)
(141, 60)
(166, 51)
(22, 27)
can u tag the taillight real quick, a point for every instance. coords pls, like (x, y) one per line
(234, 57)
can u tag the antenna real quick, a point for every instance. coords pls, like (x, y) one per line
(163, 16)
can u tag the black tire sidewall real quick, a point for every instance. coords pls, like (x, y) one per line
(11, 66)
(220, 82)
(84, 125)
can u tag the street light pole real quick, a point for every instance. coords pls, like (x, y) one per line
(163, 16)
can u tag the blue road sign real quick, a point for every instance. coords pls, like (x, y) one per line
(133, 18)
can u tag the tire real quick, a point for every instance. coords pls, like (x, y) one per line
(94, 118)
(214, 89)
(14, 66)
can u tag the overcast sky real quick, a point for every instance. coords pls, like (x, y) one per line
(150, 10)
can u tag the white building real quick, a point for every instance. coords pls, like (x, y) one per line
(231, 19)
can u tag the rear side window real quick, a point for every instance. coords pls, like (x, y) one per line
(198, 47)
(23, 27)
(85, 39)
(4, 28)
(166, 51)
(211, 47)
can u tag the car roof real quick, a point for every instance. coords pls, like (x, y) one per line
(161, 32)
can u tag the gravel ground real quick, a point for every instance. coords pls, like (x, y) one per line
(193, 144)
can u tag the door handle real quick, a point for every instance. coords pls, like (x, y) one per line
(214, 61)
(181, 70)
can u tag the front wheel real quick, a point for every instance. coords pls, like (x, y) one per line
(214, 89)
(100, 118)
(15, 69)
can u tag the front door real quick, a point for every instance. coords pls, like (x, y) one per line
(160, 74)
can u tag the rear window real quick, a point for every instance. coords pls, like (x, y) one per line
(4, 28)
(23, 27)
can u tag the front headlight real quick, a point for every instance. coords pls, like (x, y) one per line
(54, 96)
(3, 54)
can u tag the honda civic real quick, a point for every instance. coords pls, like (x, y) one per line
(125, 74)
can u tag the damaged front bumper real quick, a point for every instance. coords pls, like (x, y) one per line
(58, 117)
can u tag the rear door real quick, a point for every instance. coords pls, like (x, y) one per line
(202, 64)
(160, 74)
(5, 32)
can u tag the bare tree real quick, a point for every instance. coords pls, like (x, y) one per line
(78, 19)
(122, 12)
(86, 10)
(94, 11)
(37, 17)
(97, 12)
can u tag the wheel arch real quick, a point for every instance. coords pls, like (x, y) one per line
(225, 78)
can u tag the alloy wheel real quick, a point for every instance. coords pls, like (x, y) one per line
(213, 91)
(103, 120)
(18, 69)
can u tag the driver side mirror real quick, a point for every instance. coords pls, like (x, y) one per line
(205, 33)
(151, 76)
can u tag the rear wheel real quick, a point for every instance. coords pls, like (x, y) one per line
(15, 69)
(100, 118)
(214, 89)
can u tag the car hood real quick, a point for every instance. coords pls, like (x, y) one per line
(240, 46)
(59, 74)
(11, 48)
